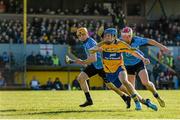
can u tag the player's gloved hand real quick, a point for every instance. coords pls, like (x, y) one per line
(68, 60)
(146, 61)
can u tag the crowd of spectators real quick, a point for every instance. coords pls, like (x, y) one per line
(11, 6)
(165, 78)
(50, 84)
(16, 6)
(38, 59)
(165, 31)
(55, 31)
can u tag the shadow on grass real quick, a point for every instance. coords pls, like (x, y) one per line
(72, 111)
(59, 112)
(9, 110)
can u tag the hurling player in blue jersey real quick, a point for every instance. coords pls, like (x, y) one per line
(135, 66)
(94, 66)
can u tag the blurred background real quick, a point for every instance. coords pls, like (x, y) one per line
(37, 60)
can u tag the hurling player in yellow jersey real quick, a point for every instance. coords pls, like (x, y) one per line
(113, 63)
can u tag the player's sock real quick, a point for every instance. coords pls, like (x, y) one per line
(88, 96)
(143, 101)
(156, 95)
(134, 97)
(124, 97)
(137, 103)
(127, 100)
(88, 100)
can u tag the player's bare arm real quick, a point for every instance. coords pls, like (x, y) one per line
(159, 45)
(92, 58)
(136, 54)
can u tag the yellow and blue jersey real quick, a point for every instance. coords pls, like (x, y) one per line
(130, 60)
(88, 44)
(112, 55)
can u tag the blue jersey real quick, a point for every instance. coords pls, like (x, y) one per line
(130, 60)
(88, 44)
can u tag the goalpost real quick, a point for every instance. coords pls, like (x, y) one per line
(24, 40)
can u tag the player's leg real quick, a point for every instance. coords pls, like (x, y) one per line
(132, 70)
(109, 83)
(115, 86)
(131, 79)
(143, 74)
(124, 79)
(146, 102)
(82, 79)
(125, 96)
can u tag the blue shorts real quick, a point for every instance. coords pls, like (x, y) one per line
(113, 77)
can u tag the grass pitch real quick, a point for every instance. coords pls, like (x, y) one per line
(64, 104)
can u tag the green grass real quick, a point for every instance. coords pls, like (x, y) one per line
(64, 104)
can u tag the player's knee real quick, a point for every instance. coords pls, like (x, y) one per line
(80, 79)
(146, 83)
(124, 82)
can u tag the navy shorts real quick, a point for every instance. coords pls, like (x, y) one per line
(113, 77)
(90, 70)
(135, 69)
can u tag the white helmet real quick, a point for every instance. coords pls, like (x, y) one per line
(127, 31)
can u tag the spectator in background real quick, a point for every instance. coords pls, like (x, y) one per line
(5, 57)
(2, 7)
(34, 84)
(31, 59)
(57, 84)
(55, 60)
(1, 61)
(169, 72)
(2, 80)
(75, 84)
(156, 71)
(161, 79)
(49, 84)
(48, 59)
(39, 59)
(12, 60)
(170, 60)
(176, 82)
(160, 56)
